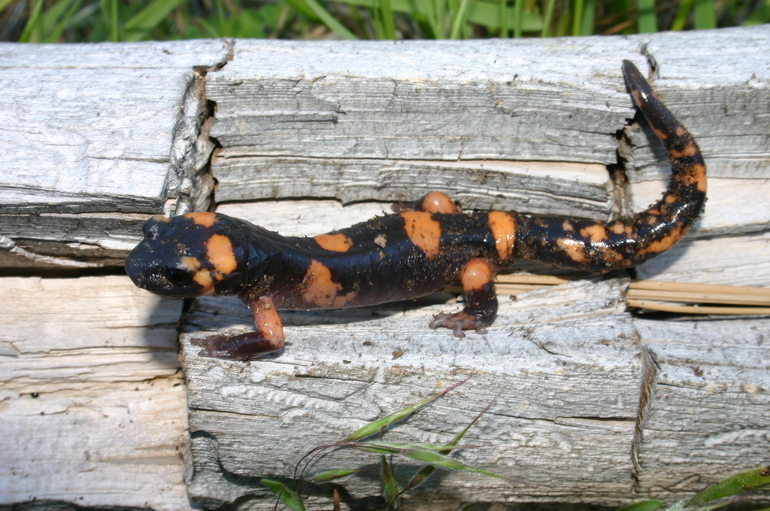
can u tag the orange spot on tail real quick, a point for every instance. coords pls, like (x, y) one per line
(574, 249)
(595, 232)
(665, 243)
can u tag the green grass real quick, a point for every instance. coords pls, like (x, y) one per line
(134, 20)
(368, 439)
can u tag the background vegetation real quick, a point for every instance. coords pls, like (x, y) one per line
(135, 20)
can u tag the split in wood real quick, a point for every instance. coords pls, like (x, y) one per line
(677, 297)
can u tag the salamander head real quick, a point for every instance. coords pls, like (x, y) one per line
(189, 255)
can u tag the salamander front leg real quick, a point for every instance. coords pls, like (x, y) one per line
(267, 339)
(481, 300)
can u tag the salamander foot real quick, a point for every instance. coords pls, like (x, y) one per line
(246, 346)
(459, 321)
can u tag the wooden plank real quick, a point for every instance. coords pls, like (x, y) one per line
(285, 109)
(730, 260)
(93, 400)
(709, 396)
(95, 138)
(554, 355)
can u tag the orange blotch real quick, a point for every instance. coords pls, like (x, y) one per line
(219, 252)
(503, 227)
(690, 150)
(204, 279)
(574, 249)
(595, 232)
(343, 300)
(476, 274)
(660, 134)
(201, 277)
(204, 219)
(612, 256)
(334, 242)
(423, 231)
(318, 287)
(567, 226)
(619, 227)
(697, 174)
(664, 244)
(437, 202)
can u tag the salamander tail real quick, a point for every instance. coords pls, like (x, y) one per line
(627, 241)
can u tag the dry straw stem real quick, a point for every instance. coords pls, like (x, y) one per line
(678, 297)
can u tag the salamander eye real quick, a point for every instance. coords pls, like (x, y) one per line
(179, 276)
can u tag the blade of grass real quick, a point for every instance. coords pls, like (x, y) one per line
(682, 13)
(587, 20)
(648, 20)
(577, 17)
(331, 475)
(458, 20)
(397, 447)
(140, 25)
(110, 13)
(442, 461)
(705, 16)
(426, 471)
(518, 18)
(388, 21)
(647, 505)
(503, 18)
(759, 16)
(325, 17)
(58, 18)
(548, 18)
(378, 425)
(734, 485)
(32, 24)
(285, 495)
(389, 483)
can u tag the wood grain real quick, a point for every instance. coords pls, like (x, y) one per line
(92, 399)
(96, 138)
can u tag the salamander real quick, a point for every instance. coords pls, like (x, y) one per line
(420, 248)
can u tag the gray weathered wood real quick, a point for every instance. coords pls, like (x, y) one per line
(95, 138)
(93, 401)
(709, 405)
(555, 357)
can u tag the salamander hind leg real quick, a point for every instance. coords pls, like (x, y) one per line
(481, 301)
(434, 202)
(267, 339)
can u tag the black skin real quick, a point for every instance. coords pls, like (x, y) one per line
(420, 249)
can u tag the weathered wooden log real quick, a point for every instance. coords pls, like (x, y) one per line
(93, 400)
(96, 138)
